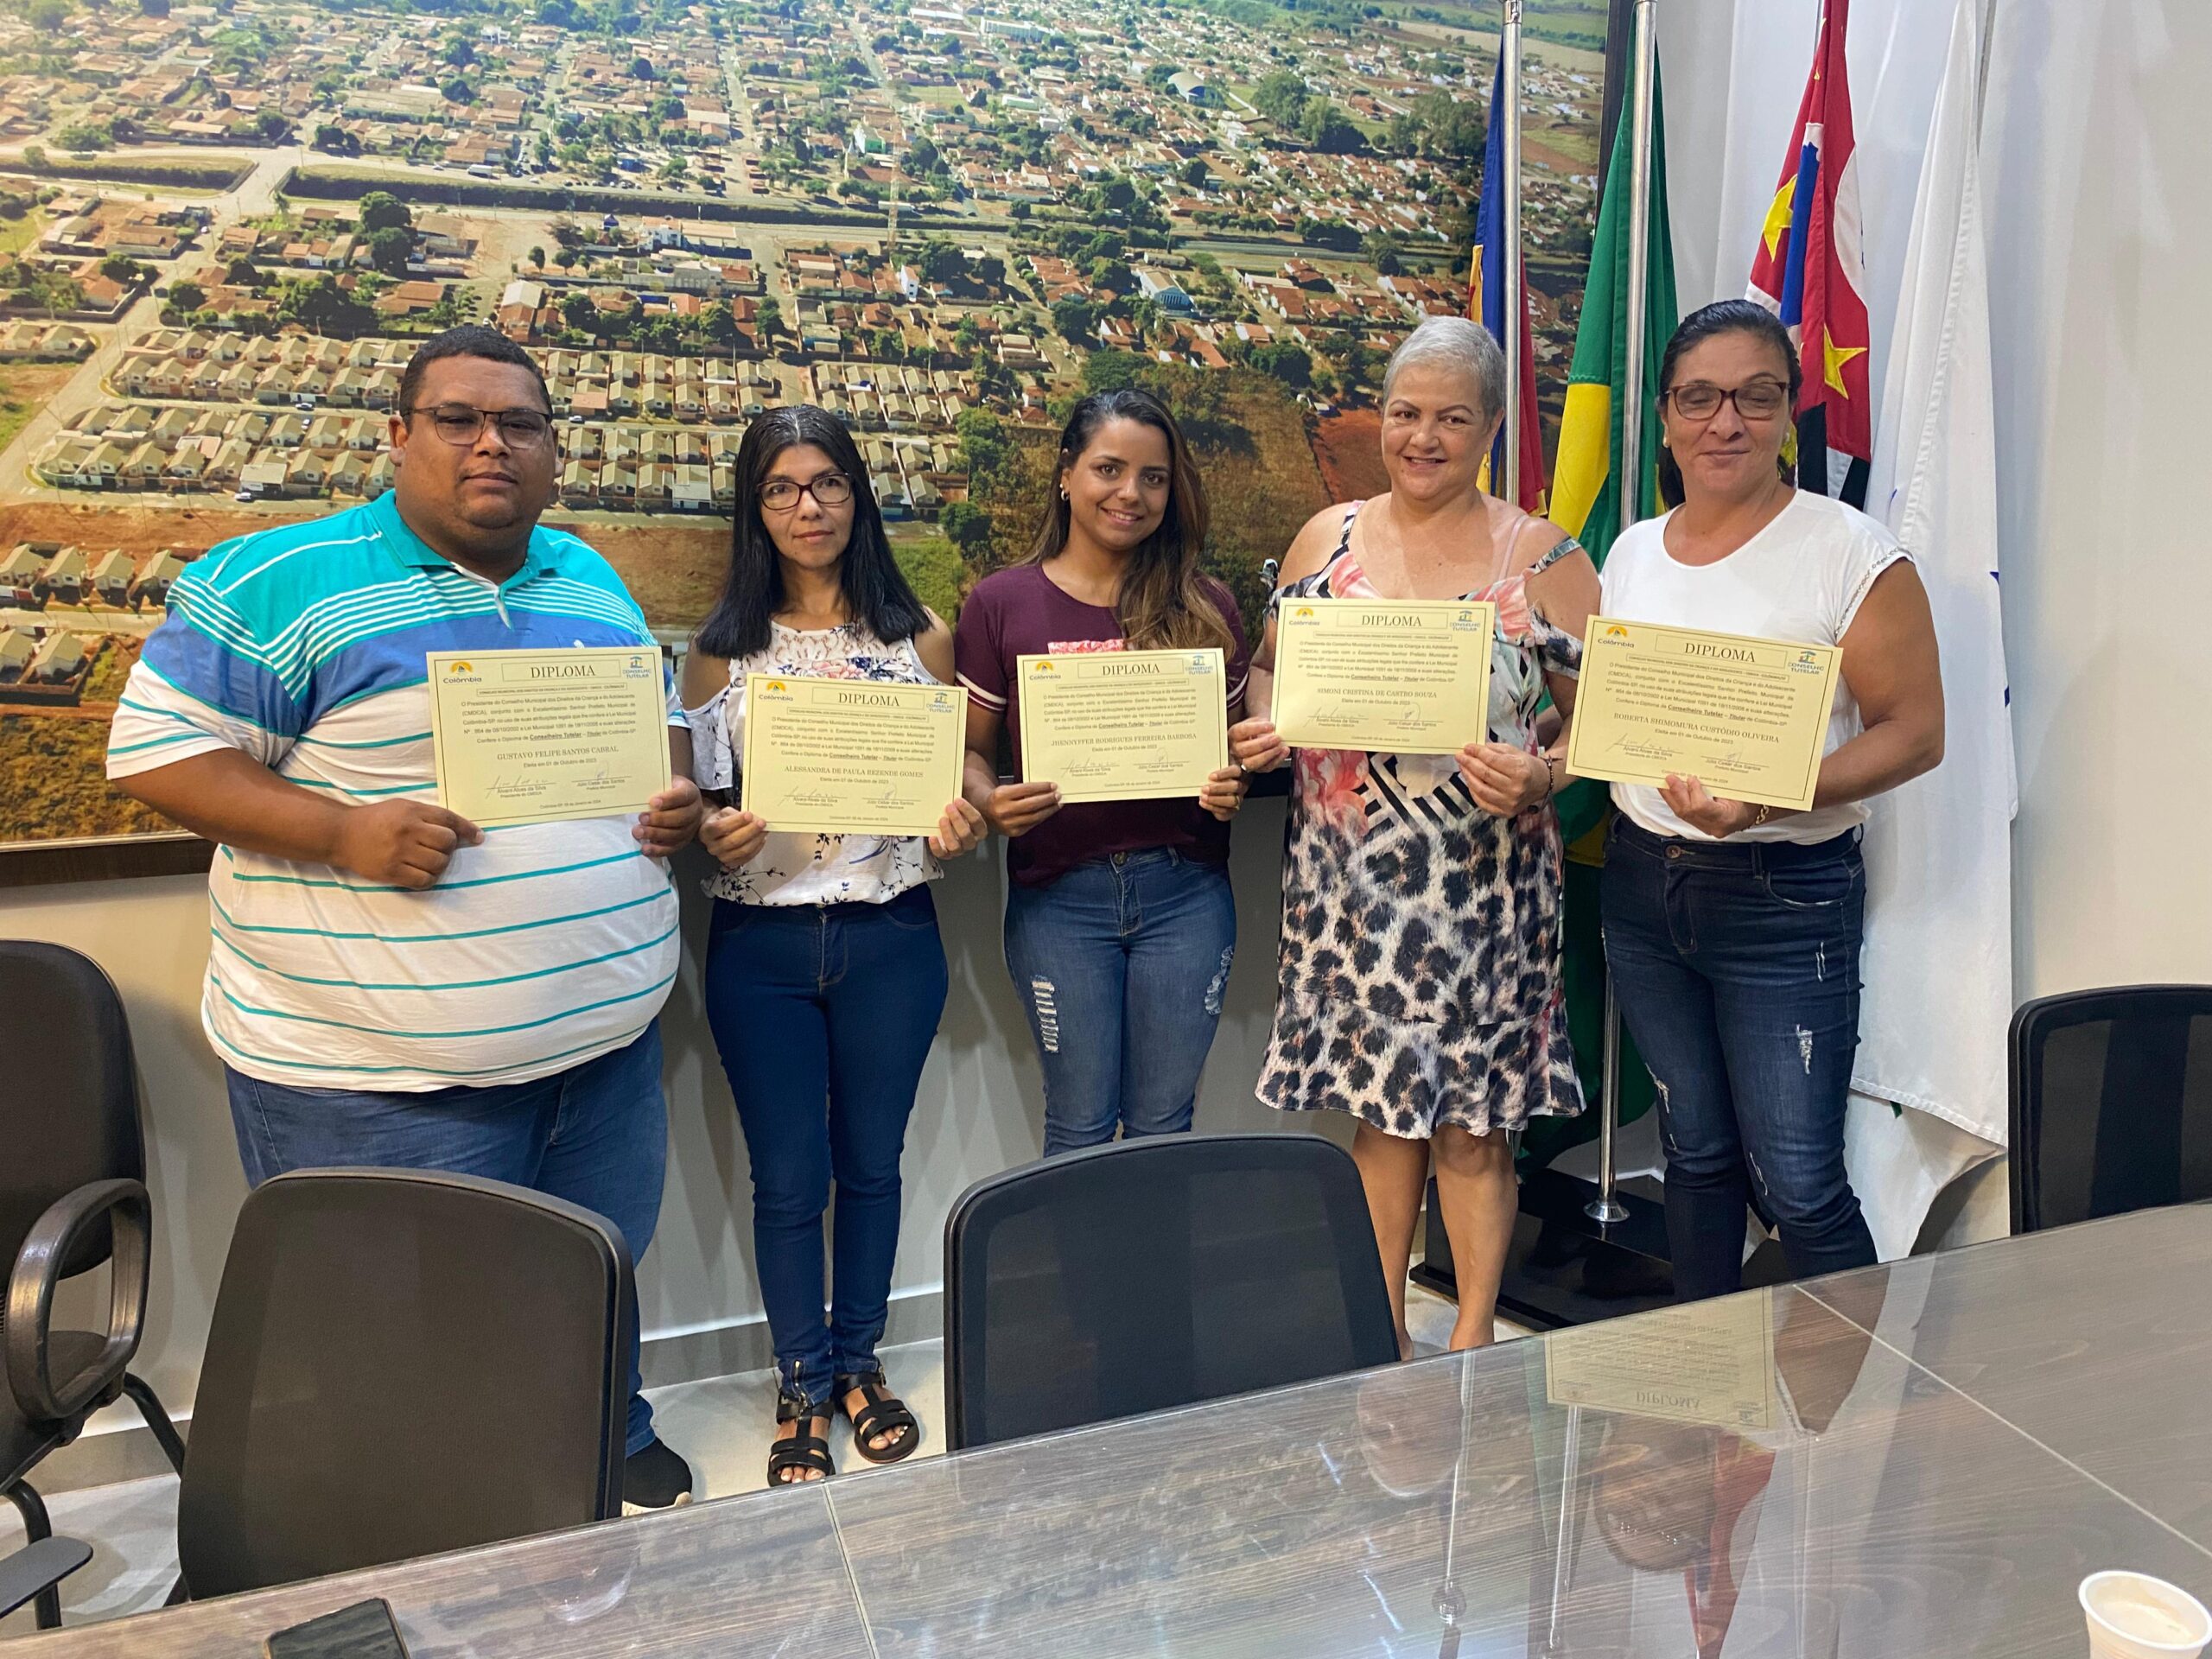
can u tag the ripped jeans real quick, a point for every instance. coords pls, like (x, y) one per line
(1121, 964)
(1737, 965)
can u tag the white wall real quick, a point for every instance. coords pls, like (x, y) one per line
(980, 1107)
(2095, 160)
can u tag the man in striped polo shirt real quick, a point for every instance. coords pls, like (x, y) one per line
(388, 983)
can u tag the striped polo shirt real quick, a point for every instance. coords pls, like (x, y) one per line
(304, 646)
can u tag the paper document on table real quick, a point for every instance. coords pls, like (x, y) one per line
(1398, 677)
(1710, 1362)
(532, 736)
(1123, 725)
(846, 757)
(1747, 716)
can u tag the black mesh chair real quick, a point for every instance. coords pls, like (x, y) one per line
(73, 1198)
(1156, 1273)
(2111, 1103)
(401, 1362)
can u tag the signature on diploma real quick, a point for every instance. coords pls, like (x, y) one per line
(1636, 748)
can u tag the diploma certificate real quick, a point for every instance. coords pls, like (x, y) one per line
(531, 736)
(1400, 676)
(1749, 717)
(1710, 1362)
(851, 756)
(1123, 725)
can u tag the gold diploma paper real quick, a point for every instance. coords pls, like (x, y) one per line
(1400, 677)
(1749, 717)
(851, 756)
(1710, 1363)
(1123, 725)
(531, 736)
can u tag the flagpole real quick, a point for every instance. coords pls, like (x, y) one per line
(1606, 1207)
(1639, 260)
(1507, 487)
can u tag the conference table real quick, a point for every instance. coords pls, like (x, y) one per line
(1924, 1459)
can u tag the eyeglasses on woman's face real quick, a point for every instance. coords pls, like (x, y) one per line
(1759, 399)
(828, 490)
(461, 424)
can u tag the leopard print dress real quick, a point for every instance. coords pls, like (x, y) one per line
(1418, 980)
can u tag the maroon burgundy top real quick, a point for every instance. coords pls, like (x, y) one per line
(1022, 612)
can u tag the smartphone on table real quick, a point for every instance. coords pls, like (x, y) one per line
(365, 1630)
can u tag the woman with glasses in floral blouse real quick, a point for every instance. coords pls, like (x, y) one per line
(825, 976)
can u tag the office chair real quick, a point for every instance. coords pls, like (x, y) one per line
(2111, 1103)
(72, 1198)
(402, 1362)
(1156, 1273)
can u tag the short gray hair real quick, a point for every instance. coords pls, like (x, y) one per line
(1458, 344)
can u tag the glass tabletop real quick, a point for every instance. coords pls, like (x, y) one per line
(1916, 1460)
(679, 1582)
(2095, 1340)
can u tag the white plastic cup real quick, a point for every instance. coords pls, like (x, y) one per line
(2134, 1615)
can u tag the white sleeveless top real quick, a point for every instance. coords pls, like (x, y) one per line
(1802, 578)
(792, 869)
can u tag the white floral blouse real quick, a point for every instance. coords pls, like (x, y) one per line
(793, 868)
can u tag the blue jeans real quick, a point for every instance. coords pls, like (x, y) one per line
(824, 1015)
(1121, 963)
(1737, 965)
(595, 1134)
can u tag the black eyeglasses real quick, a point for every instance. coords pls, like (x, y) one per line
(1755, 400)
(782, 494)
(460, 425)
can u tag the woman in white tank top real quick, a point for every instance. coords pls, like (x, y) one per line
(1733, 931)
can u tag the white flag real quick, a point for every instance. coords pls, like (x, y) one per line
(1938, 957)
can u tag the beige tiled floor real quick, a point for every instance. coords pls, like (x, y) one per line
(721, 1425)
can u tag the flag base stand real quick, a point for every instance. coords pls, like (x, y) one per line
(1564, 1268)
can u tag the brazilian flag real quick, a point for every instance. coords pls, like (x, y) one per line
(1587, 503)
(1585, 479)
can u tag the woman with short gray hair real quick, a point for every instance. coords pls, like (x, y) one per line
(1419, 973)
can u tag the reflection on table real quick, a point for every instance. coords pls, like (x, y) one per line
(1924, 1459)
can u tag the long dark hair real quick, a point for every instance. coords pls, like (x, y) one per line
(1164, 603)
(1725, 317)
(876, 595)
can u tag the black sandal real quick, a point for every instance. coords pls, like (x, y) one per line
(789, 1455)
(883, 1413)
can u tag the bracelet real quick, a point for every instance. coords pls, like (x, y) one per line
(1760, 817)
(1551, 773)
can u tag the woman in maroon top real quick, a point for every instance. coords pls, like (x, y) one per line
(1119, 923)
